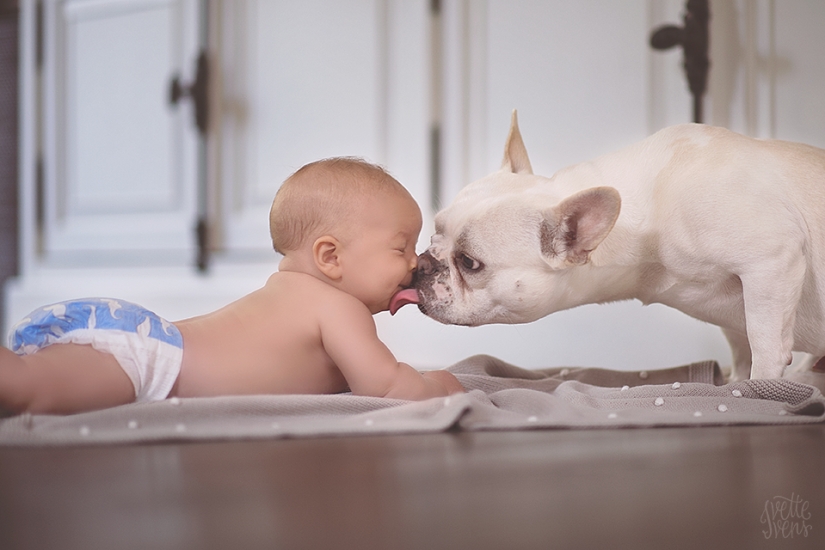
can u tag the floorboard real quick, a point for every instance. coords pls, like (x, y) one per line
(638, 488)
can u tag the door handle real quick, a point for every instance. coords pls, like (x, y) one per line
(693, 38)
(197, 91)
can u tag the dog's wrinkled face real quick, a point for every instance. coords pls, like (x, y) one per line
(483, 265)
(504, 251)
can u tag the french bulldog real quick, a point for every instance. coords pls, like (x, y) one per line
(726, 228)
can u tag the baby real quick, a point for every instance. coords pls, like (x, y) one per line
(347, 231)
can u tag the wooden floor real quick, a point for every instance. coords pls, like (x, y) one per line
(653, 488)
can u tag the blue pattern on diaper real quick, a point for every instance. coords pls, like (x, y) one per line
(47, 324)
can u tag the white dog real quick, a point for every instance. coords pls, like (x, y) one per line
(728, 229)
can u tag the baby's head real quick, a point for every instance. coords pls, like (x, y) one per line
(328, 197)
(351, 224)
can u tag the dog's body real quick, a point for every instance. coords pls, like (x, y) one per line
(728, 229)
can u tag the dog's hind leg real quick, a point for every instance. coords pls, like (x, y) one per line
(771, 292)
(805, 362)
(741, 350)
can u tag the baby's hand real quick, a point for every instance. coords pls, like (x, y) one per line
(446, 379)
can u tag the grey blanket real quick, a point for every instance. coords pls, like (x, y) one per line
(499, 397)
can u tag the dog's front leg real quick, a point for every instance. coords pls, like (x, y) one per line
(771, 295)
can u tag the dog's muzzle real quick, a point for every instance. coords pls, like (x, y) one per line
(426, 264)
(431, 280)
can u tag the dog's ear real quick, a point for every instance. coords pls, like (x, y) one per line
(515, 153)
(575, 227)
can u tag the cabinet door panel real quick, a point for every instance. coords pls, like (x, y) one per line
(119, 159)
(306, 80)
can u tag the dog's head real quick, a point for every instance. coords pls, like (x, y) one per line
(505, 251)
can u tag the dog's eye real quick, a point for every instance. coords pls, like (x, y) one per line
(468, 263)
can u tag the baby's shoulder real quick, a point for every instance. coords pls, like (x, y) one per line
(313, 292)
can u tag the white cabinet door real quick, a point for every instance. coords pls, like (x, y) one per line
(303, 80)
(119, 161)
(789, 67)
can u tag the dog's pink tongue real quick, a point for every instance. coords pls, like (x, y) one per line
(402, 298)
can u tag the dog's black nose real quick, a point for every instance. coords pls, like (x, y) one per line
(426, 264)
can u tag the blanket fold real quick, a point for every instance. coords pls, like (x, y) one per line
(500, 396)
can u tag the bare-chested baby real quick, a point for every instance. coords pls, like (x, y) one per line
(347, 231)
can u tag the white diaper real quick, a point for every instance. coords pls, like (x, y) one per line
(148, 348)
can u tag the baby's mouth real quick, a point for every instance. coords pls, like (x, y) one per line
(402, 298)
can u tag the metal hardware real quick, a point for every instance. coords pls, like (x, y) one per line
(693, 37)
(197, 91)
(202, 234)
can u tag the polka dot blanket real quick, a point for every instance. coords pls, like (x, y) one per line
(499, 396)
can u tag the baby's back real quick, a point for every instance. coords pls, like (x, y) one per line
(268, 342)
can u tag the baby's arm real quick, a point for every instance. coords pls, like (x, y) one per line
(446, 378)
(350, 339)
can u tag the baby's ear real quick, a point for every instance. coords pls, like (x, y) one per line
(325, 251)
